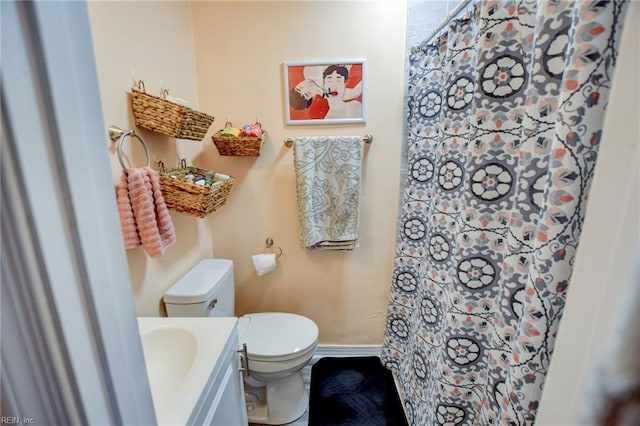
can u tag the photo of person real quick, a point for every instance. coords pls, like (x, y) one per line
(325, 93)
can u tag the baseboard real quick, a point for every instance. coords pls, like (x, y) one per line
(338, 352)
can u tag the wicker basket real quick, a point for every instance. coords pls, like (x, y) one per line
(166, 117)
(237, 146)
(190, 198)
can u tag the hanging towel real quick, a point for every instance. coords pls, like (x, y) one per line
(127, 222)
(144, 217)
(328, 173)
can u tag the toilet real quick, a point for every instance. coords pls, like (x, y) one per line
(278, 344)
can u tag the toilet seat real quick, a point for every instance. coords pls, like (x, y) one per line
(277, 336)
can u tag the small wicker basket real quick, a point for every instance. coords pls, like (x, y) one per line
(190, 198)
(166, 117)
(239, 146)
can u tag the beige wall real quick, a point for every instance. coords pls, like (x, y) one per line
(240, 48)
(154, 40)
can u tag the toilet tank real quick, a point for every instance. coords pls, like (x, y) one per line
(205, 291)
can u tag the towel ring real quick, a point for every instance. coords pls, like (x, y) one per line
(269, 243)
(116, 133)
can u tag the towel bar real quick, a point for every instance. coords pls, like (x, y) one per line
(289, 142)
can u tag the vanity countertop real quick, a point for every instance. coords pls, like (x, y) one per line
(180, 356)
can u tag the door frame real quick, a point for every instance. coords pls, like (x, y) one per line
(71, 350)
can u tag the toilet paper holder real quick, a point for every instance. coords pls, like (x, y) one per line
(269, 244)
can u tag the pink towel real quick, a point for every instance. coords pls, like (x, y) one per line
(127, 222)
(144, 217)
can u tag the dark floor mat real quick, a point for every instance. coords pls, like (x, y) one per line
(353, 392)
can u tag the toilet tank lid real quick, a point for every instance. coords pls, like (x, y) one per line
(200, 283)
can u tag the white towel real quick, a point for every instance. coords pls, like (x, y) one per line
(328, 170)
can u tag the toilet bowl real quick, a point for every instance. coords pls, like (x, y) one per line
(278, 344)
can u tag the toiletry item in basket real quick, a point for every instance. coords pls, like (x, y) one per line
(209, 178)
(252, 130)
(230, 132)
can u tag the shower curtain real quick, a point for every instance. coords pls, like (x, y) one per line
(505, 116)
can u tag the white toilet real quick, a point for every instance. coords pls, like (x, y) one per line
(279, 345)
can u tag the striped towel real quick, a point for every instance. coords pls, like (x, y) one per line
(144, 217)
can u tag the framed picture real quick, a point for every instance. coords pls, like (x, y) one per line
(325, 92)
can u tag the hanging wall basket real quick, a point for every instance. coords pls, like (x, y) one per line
(168, 118)
(241, 146)
(190, 198)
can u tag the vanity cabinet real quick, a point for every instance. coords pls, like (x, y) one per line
(223, 403)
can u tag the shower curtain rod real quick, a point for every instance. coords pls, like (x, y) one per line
(459, 8)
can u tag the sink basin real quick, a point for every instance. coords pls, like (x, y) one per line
(170, 353)
(180, 355)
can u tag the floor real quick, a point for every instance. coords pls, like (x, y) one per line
(302, 421)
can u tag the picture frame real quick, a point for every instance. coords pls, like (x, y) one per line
(325, 91)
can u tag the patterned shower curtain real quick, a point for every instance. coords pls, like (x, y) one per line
(505, 117)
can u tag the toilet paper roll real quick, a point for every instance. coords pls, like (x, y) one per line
(264, 263)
